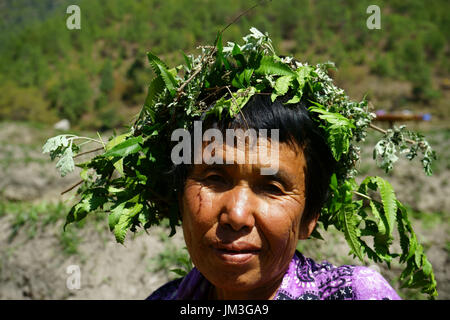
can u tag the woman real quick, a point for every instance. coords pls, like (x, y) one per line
(241, 227)
(241, 221)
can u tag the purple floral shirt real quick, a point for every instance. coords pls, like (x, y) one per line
(304, 280)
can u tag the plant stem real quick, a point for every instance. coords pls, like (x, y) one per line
(362, 195)
(384, 132)
(237, 105)
(70, 188)
(86, 152)
(90, 139)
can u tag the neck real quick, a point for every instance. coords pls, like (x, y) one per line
(266, 292)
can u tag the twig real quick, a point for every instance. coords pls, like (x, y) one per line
(78, 183)
(241, 14)
(362, 195)
(180, 89)
(215, 47)
(384, 132)
(210, 54)
(86, 152)
(216, 90)
(235, 102)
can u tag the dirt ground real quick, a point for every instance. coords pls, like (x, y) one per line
(35, 265)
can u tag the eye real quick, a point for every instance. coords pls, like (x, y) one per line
(215, 180)
(272, 188)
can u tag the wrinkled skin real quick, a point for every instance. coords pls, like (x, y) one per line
(234, 204)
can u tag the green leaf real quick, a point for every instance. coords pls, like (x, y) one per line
(281, 86)
(125, 221)
(269, 65)
(386, 218)
(389, 201)
(161, 69)
(303, 75)
(114, 142)
(245, 76)
(380, 222)
(316, 234)
(350, 231)
(91, 200)
(427, 267)
(219, 54)
(84, 173)
(295, 99)
(187, 61)
(418, 256)
(125, 148)
(114, 215)
(179, 272)
(155, 88)
(241, 97)
(338, 129)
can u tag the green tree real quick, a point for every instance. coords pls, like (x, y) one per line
(71, 96)
(106, 77)
(24, 104)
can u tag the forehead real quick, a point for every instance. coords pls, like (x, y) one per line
(254, 157)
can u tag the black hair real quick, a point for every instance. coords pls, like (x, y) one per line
(295, 128)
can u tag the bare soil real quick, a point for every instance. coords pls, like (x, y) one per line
(35, 267)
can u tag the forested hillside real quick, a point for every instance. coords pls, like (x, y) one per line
(97, 76)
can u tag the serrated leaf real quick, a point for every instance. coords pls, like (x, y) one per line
(66, 163)
(303, 75)
(114, 142)
(389, 201)
(241, 97)
(350, 231)
(84, 173)
(114, 215)
(282, 85)
(89, 202)
(155, 88)
(161, 69)
(269, 65)
(54, 143)
(380, 222)
(338, 129)
(427, 268)
(187, 60)
(418, 256)
(125, 148)
(295, 99)
(125, 221)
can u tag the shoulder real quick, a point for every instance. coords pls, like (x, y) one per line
(166, 291)
(348, 282)
(369, 284)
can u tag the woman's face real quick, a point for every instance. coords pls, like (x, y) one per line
(241, 228)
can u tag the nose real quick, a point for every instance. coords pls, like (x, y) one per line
(239, 208)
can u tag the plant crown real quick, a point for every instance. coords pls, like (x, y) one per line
(126, 180)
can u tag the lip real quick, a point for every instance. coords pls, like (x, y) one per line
(236, 253)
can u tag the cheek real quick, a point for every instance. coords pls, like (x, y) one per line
(198, 212)
(281, 223)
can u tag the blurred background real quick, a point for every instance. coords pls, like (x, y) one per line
(93, 80)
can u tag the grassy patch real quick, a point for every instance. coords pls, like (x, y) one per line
(33, 218)
(173, 260)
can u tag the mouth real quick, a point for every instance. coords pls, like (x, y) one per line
(236, 253)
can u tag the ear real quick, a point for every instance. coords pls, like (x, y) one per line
(307, 228)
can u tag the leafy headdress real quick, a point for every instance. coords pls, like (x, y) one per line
(128, 181)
